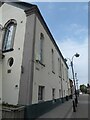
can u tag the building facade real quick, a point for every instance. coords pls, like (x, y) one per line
(33, 68)
(71, 86)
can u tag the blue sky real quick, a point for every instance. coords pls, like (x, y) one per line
(68, 23)
(63, 18)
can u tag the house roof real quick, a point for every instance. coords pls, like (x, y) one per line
(30, 9)
(22, 5)
(1, 3)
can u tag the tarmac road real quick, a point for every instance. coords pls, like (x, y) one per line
(82, 108)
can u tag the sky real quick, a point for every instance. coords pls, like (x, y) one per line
(68, 23)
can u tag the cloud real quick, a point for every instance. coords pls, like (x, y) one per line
(68, 48)
(56, 0)
(77, 29)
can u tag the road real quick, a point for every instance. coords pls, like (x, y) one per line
(82, 108)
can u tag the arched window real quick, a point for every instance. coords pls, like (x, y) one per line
(9, 34)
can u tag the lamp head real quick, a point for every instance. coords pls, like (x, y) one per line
(65, 60)
(77, 55)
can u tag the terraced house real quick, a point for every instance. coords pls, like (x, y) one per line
(33, 69)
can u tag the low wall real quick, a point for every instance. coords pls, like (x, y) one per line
(15, 113)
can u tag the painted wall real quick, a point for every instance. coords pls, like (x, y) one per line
(0, 57)
(25, 94)
(0, 81)
(43, 75)
(0, 29)
(10, 80)
(26, 30)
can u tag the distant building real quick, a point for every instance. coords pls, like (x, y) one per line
(88, 88)
(33, 68)
(71, 86)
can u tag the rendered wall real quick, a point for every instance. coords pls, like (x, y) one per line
(25, 94)
(43, 75)
(0, 56)
(10, 80)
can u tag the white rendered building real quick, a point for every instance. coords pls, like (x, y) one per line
(32, 66)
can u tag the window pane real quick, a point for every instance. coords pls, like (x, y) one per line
(53, 60)
(41, 46)
(41, 93)
(53, 93)
(9, 36)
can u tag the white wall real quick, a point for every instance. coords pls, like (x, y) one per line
(0, 30)
(10, 92)
(44, 76)
(0, 58)
(0, 81)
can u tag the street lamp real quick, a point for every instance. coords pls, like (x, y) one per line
(75, 101)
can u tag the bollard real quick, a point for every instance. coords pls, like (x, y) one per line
(74, 108)
(77, 99)
(76, 102)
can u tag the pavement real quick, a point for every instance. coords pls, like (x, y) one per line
(0, 112)
(60, 111)
(65, 110)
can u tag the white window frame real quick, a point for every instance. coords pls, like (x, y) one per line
(6, 45)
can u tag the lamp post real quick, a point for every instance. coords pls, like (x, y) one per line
(75, 100)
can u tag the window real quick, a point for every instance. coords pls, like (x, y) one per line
(64, 92)
(59, 93)
(41, 93)
(59, 67)
(53, 61)
(62, 72)
(66, 74)
(10, 61)
(9, 34)
(41, 47)
(53, 93)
